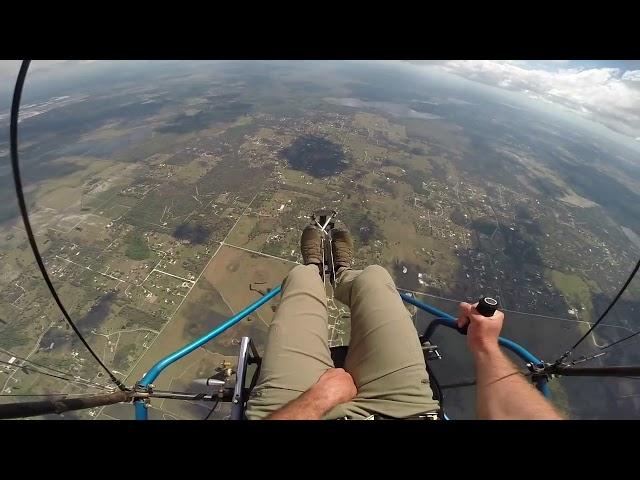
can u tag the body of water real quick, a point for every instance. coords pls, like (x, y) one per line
(631, 235)
(395, 109)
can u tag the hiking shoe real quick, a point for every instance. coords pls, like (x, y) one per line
(311, 245)
(342, 248)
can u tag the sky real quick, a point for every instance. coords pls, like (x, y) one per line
(604, 92)
(40, 70)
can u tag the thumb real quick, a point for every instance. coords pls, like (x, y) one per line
(464, 312)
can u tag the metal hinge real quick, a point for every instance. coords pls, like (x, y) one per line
(431, 351)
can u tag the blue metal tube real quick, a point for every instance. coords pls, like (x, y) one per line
(448, 320)
(141, 410)
(152, 374)
(451, 322)
(542, 384)
(522, 352)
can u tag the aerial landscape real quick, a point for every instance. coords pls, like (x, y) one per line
(167, 197)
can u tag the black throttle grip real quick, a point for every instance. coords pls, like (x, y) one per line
(486, 307)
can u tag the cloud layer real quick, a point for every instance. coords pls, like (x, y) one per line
(610, 96)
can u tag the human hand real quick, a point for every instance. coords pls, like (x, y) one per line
(335, 386)
(483, 332)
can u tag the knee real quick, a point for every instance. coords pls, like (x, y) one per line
(375, 274)
(303, 272)
(376, 271)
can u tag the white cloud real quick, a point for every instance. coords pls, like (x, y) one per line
(605, 95)
(9, 71)
(10, 68)
(631, 76)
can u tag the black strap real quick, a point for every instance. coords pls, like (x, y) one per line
(13, 134)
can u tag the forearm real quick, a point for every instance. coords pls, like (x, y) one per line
(504, 394)
(311, 405)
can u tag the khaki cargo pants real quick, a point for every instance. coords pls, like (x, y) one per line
(384, 357)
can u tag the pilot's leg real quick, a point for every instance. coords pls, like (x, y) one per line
(297, 351)
(385, 357)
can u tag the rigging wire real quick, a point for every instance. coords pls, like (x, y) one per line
(13, 134)
(601, 353)
(617, 342)
(212, 410)
(77, 381)
(46, 394)
(73, 375)
(604, 314)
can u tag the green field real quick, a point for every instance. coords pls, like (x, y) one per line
(576, 290)
(137, 248)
